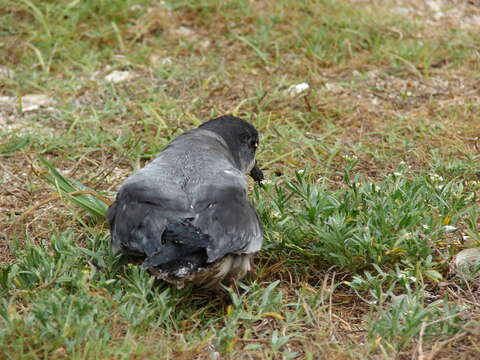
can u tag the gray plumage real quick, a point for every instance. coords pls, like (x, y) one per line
(186, 214)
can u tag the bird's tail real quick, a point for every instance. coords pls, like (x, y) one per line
(184, 245)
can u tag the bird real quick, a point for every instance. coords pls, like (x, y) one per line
(186, 215)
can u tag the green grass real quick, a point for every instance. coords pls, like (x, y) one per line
(372, 176)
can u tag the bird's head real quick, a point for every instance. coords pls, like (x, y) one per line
(242, 140)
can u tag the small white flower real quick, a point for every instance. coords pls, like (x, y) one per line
(435, 177)
(275, 214)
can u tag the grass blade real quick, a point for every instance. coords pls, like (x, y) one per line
(75, 192)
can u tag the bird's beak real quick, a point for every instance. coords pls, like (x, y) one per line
(257, 174)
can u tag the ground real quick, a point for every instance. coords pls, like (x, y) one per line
(369, 120)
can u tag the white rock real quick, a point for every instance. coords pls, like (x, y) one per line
(467, 258)
(119, 76)
(336, 89)
(297, 89)
(7, 100)
(448, 228)
(434, 5)
(183, 31)
(35, 101)
(29, 102)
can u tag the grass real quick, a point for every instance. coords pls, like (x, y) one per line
(372, 176)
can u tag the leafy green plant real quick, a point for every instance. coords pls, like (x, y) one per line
(396, 323)
(394, 221)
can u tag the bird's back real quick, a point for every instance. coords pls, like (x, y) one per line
(191, 160)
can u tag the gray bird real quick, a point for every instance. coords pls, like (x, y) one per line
(186, 214)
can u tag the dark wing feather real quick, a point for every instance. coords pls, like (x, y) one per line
(230, 221)
(181, 240)
(138, 219)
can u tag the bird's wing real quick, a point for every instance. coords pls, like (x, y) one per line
(140, 214)
(224, 213)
